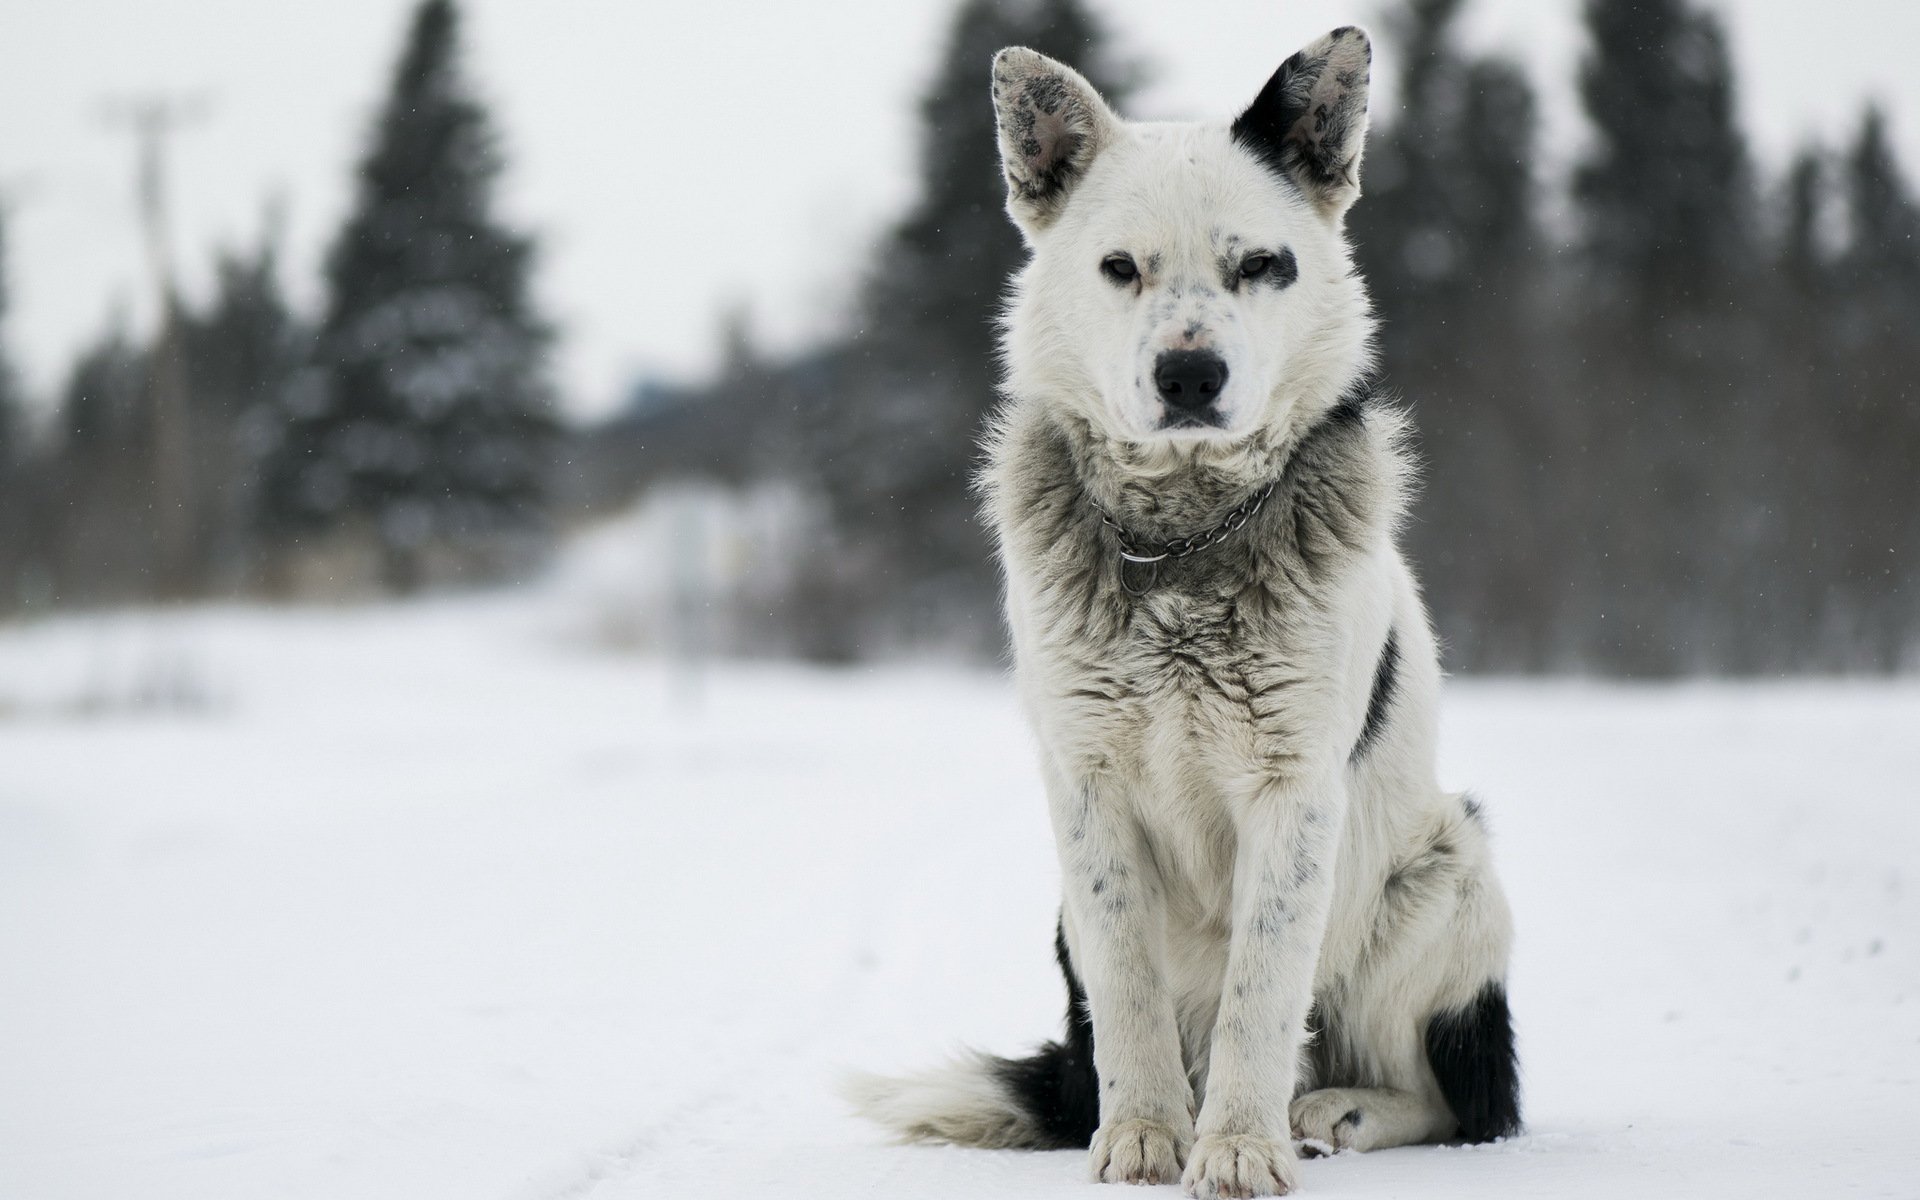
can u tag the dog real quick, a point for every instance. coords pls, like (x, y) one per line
(1275, 925)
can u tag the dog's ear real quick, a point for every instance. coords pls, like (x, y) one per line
(1052, 123)
(1310, 121)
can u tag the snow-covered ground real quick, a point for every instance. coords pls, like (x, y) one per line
(444, 901)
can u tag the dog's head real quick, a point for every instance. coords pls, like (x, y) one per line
(1189, 283)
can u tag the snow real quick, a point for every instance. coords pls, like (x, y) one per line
(447, 900)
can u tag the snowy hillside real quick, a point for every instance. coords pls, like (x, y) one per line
(443, 901)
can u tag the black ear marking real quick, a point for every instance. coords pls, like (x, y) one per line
(1262, 128)
(1309, 122)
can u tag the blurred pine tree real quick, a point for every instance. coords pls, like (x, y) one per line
(426, 414)
(1801, 258)
(1447, 182)
(899, 453)
(1662, 435)
(1873, 408)
(1446, 236)
(242, 350)
(99, 493)
(102, 403)
(1883, 226)
(11, 416)
(1666, 192)
(1666, 380)
(13, 485)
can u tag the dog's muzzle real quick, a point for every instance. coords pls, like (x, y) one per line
(1189, 383)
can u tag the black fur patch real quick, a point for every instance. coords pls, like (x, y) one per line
(1262, 129)
(1057, 1085)
(1285, 270)
(1386, 678)
(1352, 406)
(1052, 168)
(1314, 145)
(1472, 1054)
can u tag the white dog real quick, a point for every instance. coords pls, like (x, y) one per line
(1276, 925)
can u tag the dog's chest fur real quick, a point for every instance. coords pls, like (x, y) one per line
(1223, 672)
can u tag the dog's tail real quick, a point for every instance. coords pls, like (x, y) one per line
(1047, 1101)
(1472, 1055)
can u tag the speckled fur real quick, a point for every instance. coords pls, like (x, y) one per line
(1232, 859)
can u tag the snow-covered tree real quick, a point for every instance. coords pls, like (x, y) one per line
(426, 414)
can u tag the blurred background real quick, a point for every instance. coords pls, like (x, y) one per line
(330, 302)
(441, 444)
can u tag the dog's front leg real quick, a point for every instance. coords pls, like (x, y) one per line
(1117, 922)
(1282, 889)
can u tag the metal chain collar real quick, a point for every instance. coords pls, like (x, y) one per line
(1133, 551)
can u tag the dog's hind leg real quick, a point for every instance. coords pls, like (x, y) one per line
(1417, 1042)
(1334, 1119)
(1460, 1080)
(1370, 1084)
(1467, 1087)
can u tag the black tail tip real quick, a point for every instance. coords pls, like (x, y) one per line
(1059, 1092)
(1472, 1054)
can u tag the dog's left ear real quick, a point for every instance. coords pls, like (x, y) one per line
(1310, 121)
(1051, 124)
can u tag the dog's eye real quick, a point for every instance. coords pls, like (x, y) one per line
(1255, 265)
(1119, 268)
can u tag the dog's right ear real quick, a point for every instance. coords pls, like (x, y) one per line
(1310, 121)
(1052, 123)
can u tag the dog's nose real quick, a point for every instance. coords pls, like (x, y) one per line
(1189, 379)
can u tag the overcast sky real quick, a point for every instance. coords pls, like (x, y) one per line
(676, 159)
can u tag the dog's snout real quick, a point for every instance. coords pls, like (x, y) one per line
(1189, 379)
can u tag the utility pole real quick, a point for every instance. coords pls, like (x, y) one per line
(153, 119)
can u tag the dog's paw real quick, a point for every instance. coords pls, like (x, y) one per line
(1240, 1164)
(1138, 1151)
(1329, 1121)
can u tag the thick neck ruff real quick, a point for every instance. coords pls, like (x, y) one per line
(1153, 498)
(1338, 489)
(1141, 559)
